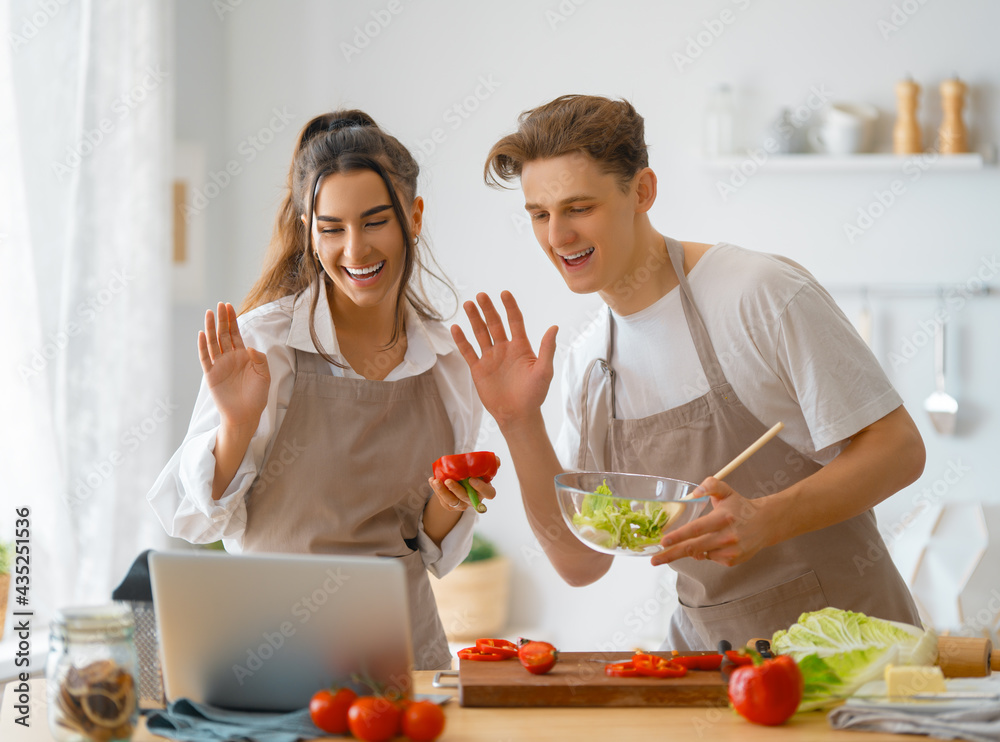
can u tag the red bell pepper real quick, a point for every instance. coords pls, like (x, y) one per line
(645, 665)
(477, 654)
(740, 657)
(698, 661)
(657, 667)
(464, 466)
(621, 670)
(503, 647)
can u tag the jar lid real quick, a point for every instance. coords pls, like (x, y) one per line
(109, 619)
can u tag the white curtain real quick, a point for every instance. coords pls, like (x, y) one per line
(85, 234)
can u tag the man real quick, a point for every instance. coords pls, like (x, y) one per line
(703, 348)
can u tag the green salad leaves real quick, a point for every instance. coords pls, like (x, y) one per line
(612, 523)
(839, 651)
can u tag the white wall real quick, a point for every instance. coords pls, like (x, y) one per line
(237, 66)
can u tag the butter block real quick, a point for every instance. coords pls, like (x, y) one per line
(910, 680)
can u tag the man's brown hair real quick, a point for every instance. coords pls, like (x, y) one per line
(610, 131)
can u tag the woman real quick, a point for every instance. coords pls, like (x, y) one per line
(325, 404)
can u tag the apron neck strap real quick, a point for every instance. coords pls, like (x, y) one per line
(696, 325)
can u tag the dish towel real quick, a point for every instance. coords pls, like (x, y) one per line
(978, 724)
(196, 722)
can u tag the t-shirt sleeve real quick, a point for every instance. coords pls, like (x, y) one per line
(829, 370)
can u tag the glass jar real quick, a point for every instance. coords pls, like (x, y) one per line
(91, 674)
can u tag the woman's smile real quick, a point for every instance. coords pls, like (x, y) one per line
(365, 276)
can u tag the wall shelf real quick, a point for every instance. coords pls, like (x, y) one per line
(914, 291)
(814, 163)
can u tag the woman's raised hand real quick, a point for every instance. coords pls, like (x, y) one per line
(511, 380)
(237, 376)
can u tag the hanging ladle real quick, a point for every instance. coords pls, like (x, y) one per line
(940, 405)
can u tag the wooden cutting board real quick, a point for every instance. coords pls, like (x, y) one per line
(577, 681)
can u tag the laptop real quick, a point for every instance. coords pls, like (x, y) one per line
(264, 632)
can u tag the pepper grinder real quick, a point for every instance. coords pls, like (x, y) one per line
(906, 134)
(952, 139)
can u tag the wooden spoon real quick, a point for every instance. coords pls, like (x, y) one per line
(747, 453)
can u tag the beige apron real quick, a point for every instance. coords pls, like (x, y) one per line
(347, 474)
(845, 565)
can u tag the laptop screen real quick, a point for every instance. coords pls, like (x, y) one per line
(266, 631)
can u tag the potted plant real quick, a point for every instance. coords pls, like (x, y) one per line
(6, 551)
(473, 598)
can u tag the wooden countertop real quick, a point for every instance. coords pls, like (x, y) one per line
(517, 724)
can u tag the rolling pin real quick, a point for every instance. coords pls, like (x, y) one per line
(966, 657)
(959, 656)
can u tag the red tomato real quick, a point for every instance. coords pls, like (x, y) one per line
(423, 721)
(768, 693)
(373, 719)
(328, 709)
(537, 657)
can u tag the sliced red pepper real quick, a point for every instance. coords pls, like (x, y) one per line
(464, 466)
(621, 669)
(739, 657)
(652, 666)
(475, 654)
(699, 661)
(503, 647)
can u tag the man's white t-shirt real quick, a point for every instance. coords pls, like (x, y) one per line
(784, 345)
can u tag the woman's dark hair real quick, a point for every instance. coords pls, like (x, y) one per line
(610, 131)
(340, 142)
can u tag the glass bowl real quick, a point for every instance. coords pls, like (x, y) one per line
(633, 518)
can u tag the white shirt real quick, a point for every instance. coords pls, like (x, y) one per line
(182, 494)
(784, 345)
